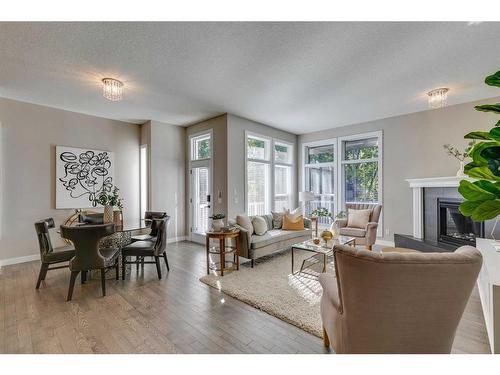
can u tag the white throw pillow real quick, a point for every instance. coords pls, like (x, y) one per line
(245, 222)
(259, 225)
(295, 213)
(358, 218)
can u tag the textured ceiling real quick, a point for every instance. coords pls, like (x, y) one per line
(299, 77)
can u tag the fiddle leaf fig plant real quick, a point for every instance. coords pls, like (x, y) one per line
(482, 196)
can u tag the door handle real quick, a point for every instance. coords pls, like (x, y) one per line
(208, 198)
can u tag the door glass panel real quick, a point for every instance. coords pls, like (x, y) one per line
(201, 202)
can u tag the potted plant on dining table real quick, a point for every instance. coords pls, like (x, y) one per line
(110, 201)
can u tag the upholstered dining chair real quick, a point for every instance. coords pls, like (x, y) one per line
(142, 249)
(396, 302)
(151, 236)
(89, 255)
(48, 254)
(364, 236)
(91, 218)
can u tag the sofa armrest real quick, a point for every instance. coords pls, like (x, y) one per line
(245, 239)
(341, 223)
(371, 233)
(330, 290)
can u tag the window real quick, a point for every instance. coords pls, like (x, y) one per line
(269, 174)
(360, 170)
(354, 161)
(283, 159)
(201, 147)
(143, 158)
(319, 177)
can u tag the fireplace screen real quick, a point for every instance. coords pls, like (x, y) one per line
(455, 228)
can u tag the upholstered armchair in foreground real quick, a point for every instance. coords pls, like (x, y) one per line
(367, 233)
(396, 302)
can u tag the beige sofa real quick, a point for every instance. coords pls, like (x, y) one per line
(253, 246)
(395, 302)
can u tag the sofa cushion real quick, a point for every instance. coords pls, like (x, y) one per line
(293, 223)
(277, 235)
(358, 218)
(259, 225)
(277, 219)
(353, 232)
(244, 222)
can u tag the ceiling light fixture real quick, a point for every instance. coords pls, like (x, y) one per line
(438, 97)
(112, 89)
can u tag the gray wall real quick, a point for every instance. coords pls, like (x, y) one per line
(29, 136)
(236, 128)
(167, 173)
(413, 147)
(218, 125)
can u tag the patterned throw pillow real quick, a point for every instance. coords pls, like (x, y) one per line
(277, 219)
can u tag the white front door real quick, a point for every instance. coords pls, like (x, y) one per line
(201, 207)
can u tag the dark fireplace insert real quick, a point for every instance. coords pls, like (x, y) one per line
(455, 228)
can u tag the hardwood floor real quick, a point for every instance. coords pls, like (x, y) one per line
(142, 314)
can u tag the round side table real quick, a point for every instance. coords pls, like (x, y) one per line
(222, 250)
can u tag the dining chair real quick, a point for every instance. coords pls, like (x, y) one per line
(89, 255)
(151, 236)
(48, 254)
(142, 249)
(91, 218)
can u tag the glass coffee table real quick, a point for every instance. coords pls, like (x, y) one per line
(321, 252)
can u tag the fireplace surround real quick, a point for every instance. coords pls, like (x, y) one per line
(426, 234)
(453, 227)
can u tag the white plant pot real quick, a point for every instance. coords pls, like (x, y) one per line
(217, 225)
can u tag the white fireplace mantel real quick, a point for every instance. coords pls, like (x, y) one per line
(417, 185)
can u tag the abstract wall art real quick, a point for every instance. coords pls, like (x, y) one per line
(81, 174)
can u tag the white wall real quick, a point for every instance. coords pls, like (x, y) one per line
(413, 147)
(167, 174)
(29, 136)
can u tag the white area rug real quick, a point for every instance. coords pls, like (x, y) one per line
(271, 287)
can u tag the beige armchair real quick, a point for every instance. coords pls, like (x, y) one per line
(366, 236)
(396, 302)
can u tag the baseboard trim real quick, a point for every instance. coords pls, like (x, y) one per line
(31, 258)
(27, 258)
(384, 243)
(176, 239)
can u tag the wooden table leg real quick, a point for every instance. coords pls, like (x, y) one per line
(208, 254)
(222, 255)
(237, 253)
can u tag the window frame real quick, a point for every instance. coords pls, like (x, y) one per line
(144, 173)
(272, 163)
(338, 165)
(194, 150)
(323, 142)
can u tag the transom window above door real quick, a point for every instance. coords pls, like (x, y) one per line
(201, 147)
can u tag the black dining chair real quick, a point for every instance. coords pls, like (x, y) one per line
(149, 216)
(48, 254)
(91, 218)
(142, 249)
(89, 255)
